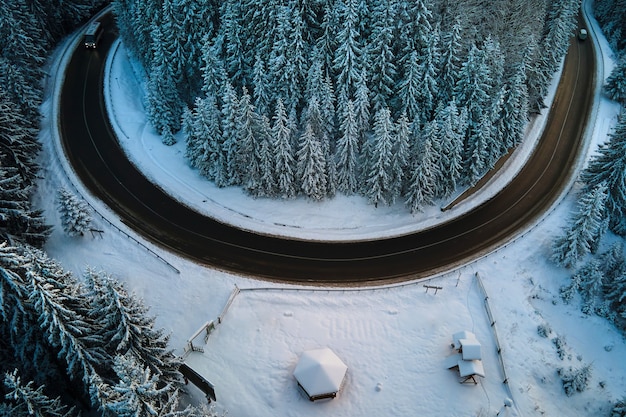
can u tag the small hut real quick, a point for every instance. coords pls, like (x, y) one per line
(320, 373)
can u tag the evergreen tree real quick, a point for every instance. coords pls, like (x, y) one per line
(428, 70)
(262, 97)
(284, 160)
(347, 152)
(164, 107)
(20, 91)
(311, 165)
(421, 186)
(615, 85)
(513, 117)
(232, 34)
(408, 88)
(61, 316)
(586, 228)
(347, 61)
(20, 39)
(25, 400)
(450, 61)
(401, 156)
(478, 149)
(451, 127)
(287, 62)
(609, 166)
(362, 106)
(127, 329)
(379, 168)
(230, 110)
(249, 144)
(591, 281)
(267, 181)
(473, 93)
(575, 380)
(379, 55)
(18, 222)
(75, 213)
(204, 138)
(327, 42)
(212, 69)
(18, 140)
(136, 393)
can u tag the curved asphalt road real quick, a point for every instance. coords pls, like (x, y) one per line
(92, 149)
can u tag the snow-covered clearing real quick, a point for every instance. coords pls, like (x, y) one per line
(394, 339)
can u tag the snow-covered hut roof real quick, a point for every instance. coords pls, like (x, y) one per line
(320, 373)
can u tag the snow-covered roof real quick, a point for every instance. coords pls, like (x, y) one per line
(320, 372)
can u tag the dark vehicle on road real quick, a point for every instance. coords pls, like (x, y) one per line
(92, 35)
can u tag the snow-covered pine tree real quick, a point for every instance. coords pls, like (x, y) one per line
(18, 139)
(164, 107)
(428, 70)
(26, 400)
(348, 59)
(379, 55)
(232, 34)
(347, 152)
(326, 44)
(19, 39)
(267, 181)
(362, 105)
(173, 30)
(615, 85)
(450, 61)
(204, 138)
(513, 116)
(609, 166)
(261, 92)
(590, 285)
(194, 25)
(21, 223)
(612, 261)
(75, 213)
(413, 27)
(284, 165)
(126, 327)
(408, 93)
(569, 291)
(615, 289)
(19, 91)
(379, 167)
(561, 22)
(285, 74)
(575, 380)
(401, 155)
(249, 144)
(585, 230)
(137, 392)
(472, 92)
(451, 127)
(212, 68)
(311, 165)
(53, 294)
(421, 186)
(230, 110)
(478, 147)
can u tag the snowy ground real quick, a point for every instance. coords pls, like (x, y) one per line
(393, 339)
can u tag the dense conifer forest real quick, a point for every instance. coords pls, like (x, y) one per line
(393, 100)
(67, 345)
